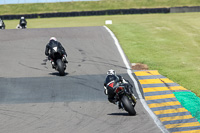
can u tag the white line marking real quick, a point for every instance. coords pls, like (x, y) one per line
(129, 71)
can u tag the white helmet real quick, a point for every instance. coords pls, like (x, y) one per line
(22, 17)
(111, 72)
(53, 38)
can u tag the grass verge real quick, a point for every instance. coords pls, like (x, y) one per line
(91, 6)
(169, 43)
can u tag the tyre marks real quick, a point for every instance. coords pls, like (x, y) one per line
(34, 99)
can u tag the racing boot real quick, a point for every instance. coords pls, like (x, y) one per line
(120, 105)
(64, 59)
(64, 66)
(53, 64)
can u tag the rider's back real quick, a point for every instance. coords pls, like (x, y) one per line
(53, 44)
(111, 78)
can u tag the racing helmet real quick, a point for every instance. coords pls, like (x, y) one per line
(53, 38)
(111, 72)
(22, 17)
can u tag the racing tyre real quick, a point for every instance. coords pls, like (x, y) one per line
(127, 105)
(60, 67)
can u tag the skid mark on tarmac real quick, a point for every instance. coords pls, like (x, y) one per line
(33, 99)
(158, 91)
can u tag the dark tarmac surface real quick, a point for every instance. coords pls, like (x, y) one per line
(34, 99)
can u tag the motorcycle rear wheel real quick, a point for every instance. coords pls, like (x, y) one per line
(127, 105)
(60, 67)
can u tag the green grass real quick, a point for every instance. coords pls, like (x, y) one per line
(169, 43)
(91, 6)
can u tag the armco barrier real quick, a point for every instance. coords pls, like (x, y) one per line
(88, 13)
(106, 12)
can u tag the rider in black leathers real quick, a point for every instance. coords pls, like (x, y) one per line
(112, 80)
(49, 48)
(22, 22)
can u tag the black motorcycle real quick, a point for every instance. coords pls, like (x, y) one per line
(126, 98)
(58, 58)
(23, 24)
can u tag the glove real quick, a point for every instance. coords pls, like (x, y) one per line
(124, 81)
(65, 56)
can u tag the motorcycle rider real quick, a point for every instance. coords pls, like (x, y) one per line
(2, 25)
(111, 82)
(49, 48)
(22, 22)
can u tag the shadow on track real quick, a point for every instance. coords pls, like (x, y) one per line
(120, 114)
(57, 74)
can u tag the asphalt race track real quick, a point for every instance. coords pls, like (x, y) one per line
(34, 99)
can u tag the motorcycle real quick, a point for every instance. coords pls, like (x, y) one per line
(2, 26)
(58, 58)
(126, 98)
(23, 24)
